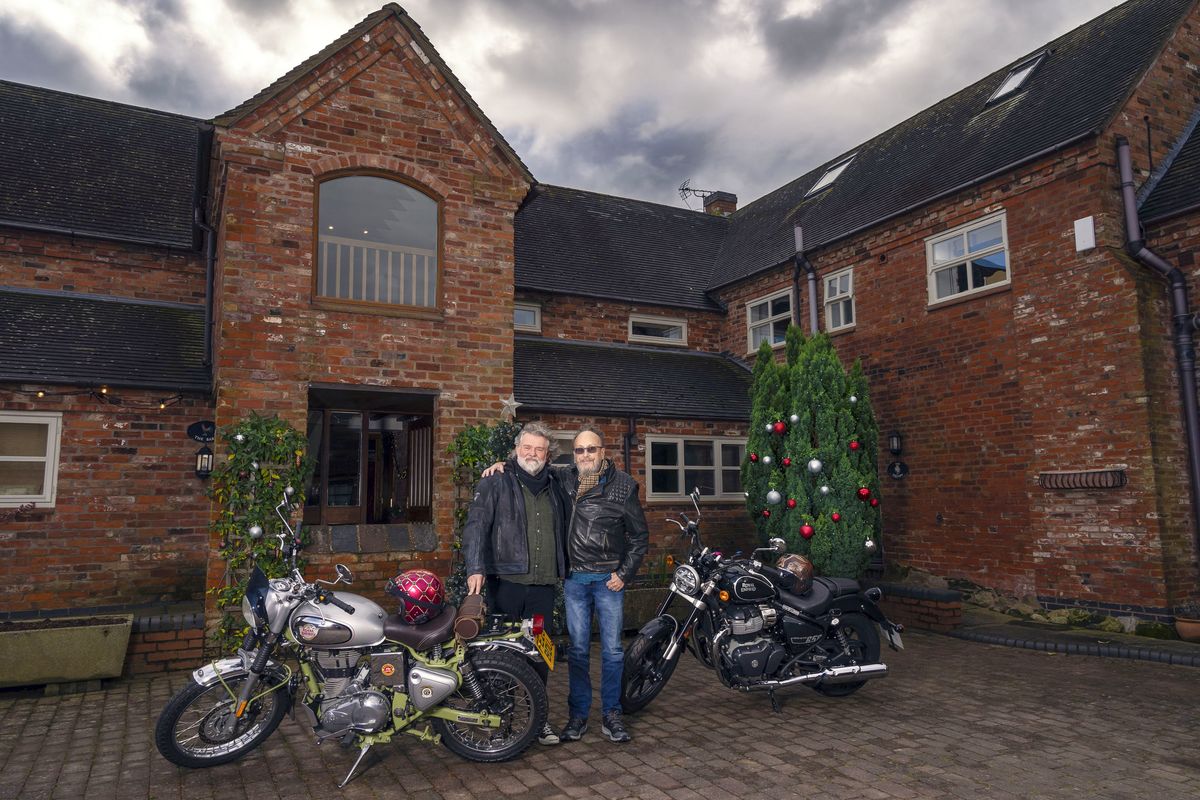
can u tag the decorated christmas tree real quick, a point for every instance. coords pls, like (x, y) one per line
(810, 471)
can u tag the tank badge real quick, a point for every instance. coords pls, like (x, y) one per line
(308, 631)
(388, 670)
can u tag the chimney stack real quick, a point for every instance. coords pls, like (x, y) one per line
(720, 204)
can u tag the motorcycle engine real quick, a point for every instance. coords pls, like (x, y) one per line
(750, 652)
(347, 703)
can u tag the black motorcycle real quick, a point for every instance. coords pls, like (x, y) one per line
(760, 628)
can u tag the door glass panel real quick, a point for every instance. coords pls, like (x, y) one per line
(345, 454)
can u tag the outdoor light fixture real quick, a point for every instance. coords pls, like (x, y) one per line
(204, 462)
(895, 442)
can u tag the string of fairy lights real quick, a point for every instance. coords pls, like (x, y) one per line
(102, 394)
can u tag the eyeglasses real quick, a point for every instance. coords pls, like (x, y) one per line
(590, 449)
(525, 448)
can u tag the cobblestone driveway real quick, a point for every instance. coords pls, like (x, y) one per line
(953, 720)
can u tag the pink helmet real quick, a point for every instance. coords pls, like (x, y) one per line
(421, 595)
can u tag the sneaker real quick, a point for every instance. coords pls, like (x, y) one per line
(576, 728)
(548, 735)
(614, 728)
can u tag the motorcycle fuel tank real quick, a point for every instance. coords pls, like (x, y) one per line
(328, 626)
(745, 586)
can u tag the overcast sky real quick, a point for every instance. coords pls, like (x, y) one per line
(628, 97)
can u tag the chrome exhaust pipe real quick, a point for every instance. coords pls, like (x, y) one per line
(833, 675)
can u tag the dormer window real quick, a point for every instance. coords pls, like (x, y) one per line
(1016, 77)
(657, 330)
(830, 176)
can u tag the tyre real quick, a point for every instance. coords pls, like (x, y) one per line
(512, 689)
(864, 645)
(198, 727)
(646, 669)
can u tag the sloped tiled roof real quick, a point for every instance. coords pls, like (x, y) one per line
(583, 243)
(1178, 190)
(97, 168)
(1076, 90)
(233, 115)
(596, 378)
(84, 340)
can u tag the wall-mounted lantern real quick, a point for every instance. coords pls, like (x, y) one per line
(895, 442)
(204, 462)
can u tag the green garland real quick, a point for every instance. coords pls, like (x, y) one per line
(265, 455)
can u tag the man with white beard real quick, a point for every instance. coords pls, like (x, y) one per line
(515, 536)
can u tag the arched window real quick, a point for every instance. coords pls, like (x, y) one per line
(377, 242)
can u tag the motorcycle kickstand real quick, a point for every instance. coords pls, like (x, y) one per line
(357, 761)
(774, 702)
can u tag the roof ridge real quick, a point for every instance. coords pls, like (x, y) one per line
(102, 298)
(106, 102)
(684, 211)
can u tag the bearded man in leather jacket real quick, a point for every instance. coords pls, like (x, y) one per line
(515, 535)
(606, 542)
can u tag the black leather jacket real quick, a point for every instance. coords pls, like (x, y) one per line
(495, 538)
(608, 531)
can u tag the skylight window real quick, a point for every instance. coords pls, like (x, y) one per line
(1016, 77)
(830, 176)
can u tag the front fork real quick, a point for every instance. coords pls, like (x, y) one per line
(261, 657)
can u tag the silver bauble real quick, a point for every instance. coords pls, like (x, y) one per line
(794, 418)
(824, 490)
(774, 497)
(253, 465)
(770, 427)
(853, 399)
(767, 459)
(870, 545)
(289, 491)
(255, 531)
(239, 438)
(815, 465)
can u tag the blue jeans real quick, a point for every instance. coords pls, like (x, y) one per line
(581, 599)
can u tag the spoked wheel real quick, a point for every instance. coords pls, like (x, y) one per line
(198, 727)
(512, 689)
(864, 649)
(646, 668)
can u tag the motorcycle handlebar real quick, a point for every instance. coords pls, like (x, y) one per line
(328, 597)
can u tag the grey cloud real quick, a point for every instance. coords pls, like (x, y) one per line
(41, 57)
(839, 31)
(261, 9)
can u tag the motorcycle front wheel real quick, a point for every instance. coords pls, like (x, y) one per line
(512, 689)
(198, 727)
(864, 649)
(647, 669)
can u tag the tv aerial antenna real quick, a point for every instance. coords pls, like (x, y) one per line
(686, 190)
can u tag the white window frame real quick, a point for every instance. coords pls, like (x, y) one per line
(666, 321)
(769, 321)
(1017, 77)
(830, 175)
(718, 467)
(53, 421)
(931, 269)
(566, 444)
(842, 298)
(536, 327)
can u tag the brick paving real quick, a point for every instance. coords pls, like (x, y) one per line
(954, 719)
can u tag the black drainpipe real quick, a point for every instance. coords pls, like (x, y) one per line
(802, 263)
(210, 256)
(630, 435)
(1183, 323)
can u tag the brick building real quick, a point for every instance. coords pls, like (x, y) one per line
(357, 249)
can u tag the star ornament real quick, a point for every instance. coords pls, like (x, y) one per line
(508, 407)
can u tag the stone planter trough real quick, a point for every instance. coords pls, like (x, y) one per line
(63, 649)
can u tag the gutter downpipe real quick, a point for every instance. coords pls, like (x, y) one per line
(802, 263)
(1182, 322)
(210, 255)
(630, 434)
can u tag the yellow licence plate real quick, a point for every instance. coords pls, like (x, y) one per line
(546, 647)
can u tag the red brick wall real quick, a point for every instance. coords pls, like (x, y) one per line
(129, 526)
(164, 651)
(375, 105)
(589, 319)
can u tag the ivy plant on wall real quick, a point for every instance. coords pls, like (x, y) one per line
(264, 457)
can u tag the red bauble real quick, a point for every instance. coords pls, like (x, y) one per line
(807, 531)
(836, 517)
(855, 445)
(766, 512)
(787, 462)
(754, 458)
(780, 426)
(791, 503)
(874, 502)
(864, 494)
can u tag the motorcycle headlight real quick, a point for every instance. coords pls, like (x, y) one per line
(686, 579)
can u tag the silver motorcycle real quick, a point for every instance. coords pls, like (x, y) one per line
(360, 676)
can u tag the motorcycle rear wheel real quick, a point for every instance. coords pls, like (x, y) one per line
(197, 728)
(646, 669)
(864, 643)
(512, 689)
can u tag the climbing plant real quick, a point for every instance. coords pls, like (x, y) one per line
(264, 457)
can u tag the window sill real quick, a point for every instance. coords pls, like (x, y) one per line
(776, 346)
(351, 307)
(841, 330)
(683, 498)
(652, 340)
(966, 297)
(525, 329)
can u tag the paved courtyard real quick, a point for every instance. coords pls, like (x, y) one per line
(954, 719)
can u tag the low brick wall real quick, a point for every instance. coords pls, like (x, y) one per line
(937, 610)
(165, 642)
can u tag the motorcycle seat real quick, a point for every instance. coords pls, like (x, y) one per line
(839, 587)
(817, 599)
(421, 637)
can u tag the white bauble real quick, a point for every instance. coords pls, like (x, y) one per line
(815, 465)
(774, 497)
(255, 531)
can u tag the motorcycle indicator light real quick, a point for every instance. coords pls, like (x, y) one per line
(539, 624)
(724, 596)
(669, 561)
